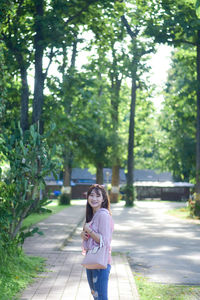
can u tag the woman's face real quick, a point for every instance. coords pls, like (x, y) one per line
(95, 199)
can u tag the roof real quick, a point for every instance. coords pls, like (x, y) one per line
(151, 175)
(78, 173)
(139, 175)
(163, 184)
(141, 178)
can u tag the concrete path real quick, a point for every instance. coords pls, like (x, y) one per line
(164, 248)
(159, 246)
(65, 278)
(57, 229)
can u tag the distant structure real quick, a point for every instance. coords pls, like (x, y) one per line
(148, 183)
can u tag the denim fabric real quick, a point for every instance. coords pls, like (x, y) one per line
(98, 282)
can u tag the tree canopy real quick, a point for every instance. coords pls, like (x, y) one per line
(75, 74)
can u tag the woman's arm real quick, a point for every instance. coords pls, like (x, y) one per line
(84, 235)
(105, 228)
(93, 234)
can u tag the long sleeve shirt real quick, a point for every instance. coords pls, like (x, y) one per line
(102, 224)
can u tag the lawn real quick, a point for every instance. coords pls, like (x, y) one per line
(183, 213)
(152, 291)
(35, 218)
(17, 272)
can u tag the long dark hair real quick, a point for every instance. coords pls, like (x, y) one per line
(105, 204)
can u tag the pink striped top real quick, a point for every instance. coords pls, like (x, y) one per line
(101, 223)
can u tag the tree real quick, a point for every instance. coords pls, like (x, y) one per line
(176, 23)
(35, 29)
(137, 50)
(178, 116)
(110, 42)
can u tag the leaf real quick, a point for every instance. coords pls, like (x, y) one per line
(197, 6)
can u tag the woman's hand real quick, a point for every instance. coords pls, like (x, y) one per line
(87, 228)
(85, 236)
(91, 233)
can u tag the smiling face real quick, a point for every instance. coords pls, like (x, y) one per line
(95, 199)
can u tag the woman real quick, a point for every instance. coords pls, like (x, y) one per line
(98, 226)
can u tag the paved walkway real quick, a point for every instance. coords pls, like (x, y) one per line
(161, 247)
(65, 278)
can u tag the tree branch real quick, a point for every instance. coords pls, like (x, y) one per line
(51, 55)
(184, 41)
(132, 34)
(89, 2)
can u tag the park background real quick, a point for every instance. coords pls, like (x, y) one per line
(76, 91)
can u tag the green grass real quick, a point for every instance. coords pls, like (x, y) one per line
(183, 213)
(152, 291)
(35, 218)
(16, 273)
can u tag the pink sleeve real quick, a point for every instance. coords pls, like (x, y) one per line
(105, 228)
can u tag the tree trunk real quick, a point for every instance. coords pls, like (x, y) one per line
(99, 173)
(67, 175)
(115, 146)
(197, 186)
(198, 117)
(130, 177)
(115, 184)
(130, 163)
(115, 99)
(39, 76)
(24, 99)
(66, 189)
(74, 52)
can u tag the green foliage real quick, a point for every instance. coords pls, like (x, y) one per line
(194, 205)
(29, 162)
(16, 272)
(178, 116)
(197, 6)
(129, 195)
(197, 209)
(64, 199)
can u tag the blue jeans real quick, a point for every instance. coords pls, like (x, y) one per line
(98, 282)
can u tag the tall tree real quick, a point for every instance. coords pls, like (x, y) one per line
(138, 49)
(111, 43)
(34, 30)
(176, 23)
(178, 116)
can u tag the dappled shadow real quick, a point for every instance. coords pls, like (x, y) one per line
(162, 247)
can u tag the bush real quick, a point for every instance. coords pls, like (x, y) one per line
(16, 272)
(29, 160)
(129, 194)
(194, 205)
(64, 199)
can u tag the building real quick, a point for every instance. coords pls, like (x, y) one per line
(149, 184)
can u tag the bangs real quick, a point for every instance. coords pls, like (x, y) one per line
(97, 191)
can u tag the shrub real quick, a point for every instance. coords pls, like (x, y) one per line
(64, 199)
(194, 205)
(29, 160)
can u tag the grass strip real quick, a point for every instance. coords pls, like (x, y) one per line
(17, 272)
(183, 213)
(37, 217)
(152, 291)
